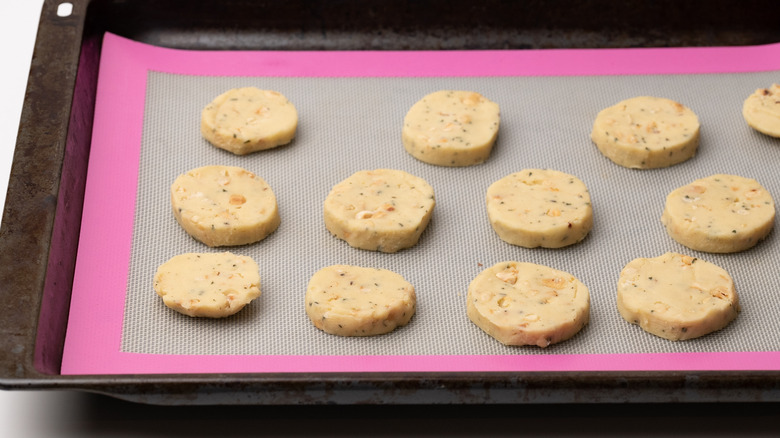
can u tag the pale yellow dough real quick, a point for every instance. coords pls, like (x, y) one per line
(527, 304)
(213, 285)
(646, 132)
(676, 297)
(719, 214)
(224, 205)
(451, 128)
(355, 301)
(761, 110)
(246, 120)
(540, 207)
(379, 210)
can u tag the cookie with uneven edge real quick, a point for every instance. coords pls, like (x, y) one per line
(646, 132)
(356, 301)
(246, 120)
(761, 110)
(212, 285)
(451, 128)
(527, 304)
(676, 297)
(224, 205)
(719, 214)
(382, 210)
(540, 207)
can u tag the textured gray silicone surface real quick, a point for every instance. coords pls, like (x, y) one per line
(349, 124)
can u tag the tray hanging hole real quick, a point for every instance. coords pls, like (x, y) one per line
(64, 9)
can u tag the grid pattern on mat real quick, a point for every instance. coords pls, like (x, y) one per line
(354, 124)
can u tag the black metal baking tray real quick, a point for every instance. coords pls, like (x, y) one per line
(47, 179)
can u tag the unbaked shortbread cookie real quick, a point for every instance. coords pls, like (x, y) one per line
(379, 210)
(355, 301)
(646, 132)
(213, 285)
(245, 120)
(224, 205)
(676, 297)
(540, 207)
(720, 214)
(761, 110)
(451, 128)
(528, 304)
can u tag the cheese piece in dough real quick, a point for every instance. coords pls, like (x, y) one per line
(245, 120)
(356, 301)
(382, 210)
(676, 297)
(224, 205)
(528, 304)
(451, 128)
(761, 110)
(646, 132)
(719, 214)
(213, 285)
(540, 207)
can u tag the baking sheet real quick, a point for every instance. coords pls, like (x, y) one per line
(351, 105)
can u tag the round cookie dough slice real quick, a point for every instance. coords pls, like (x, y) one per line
(379, 210)
(355, 301)
(761, 110)
(719, 214)
(528, 304)
(676, 297)
(451, 128)
(213, 285)
(540, 207)
(224, 205)
(646, 133)
(245, 120)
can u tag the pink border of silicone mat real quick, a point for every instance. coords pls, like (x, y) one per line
(95, 324)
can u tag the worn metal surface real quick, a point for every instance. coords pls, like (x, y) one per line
(45, 193)
(33, 189)
(436, 24)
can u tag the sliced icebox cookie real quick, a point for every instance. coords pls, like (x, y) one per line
(382, 210)
(761, 110)
(528, 304)
(646, 132)
(719, 214)
(212, 285)
(676, 297)
(451, 128)
(540, 207)
(348, 300)
(224, 205)
(246, 120)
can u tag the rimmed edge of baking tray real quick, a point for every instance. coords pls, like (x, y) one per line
(38, 241)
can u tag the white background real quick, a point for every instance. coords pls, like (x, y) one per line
(43, 414)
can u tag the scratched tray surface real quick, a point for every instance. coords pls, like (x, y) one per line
(347, 125)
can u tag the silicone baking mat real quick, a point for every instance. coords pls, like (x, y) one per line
(351, 107)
